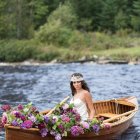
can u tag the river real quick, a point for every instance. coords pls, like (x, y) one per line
(46, 85)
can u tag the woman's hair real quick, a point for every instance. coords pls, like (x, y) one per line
(83, 83)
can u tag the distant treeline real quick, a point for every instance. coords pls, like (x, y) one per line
(26, 19)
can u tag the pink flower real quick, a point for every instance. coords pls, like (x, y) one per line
(4, 118)
(85, 125)
(65, 118)
(107, 125)
(20, 107)
(15, 113)
(33, 108)
(65, 106)
(6, 107)
(78, 117)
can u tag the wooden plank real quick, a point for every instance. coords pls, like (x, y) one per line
(108, 115)
(121, 115)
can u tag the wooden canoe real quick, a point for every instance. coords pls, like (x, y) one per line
(118, 113)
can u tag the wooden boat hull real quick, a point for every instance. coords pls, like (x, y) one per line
(18, 134)
(15, 133)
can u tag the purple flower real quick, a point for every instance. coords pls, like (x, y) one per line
(27, 124)
(22, 117)
(78, 117)
(53, 133)
(6, 107)
(76, 130)
(46, 118)
(32, 118)
(17, 114)
(20, 107)
(41, 125)
(14, 123)
(61, 127)
(58, 137)
(44, 132)
(96, 128)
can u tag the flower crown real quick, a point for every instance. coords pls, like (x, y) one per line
(76, 78)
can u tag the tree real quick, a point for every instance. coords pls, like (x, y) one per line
(107, 15)
(136, 15)
(19, 18)
(58, 28)
(87, 13)
(120, 20)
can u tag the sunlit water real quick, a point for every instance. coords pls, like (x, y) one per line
(47, 85)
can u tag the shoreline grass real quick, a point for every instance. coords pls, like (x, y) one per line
(99, 44)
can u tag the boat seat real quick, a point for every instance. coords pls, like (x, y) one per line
(108, 115)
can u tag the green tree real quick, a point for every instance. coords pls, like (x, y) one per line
(19, 18)
(88, 13)
(120, 20)
(107, 16)
(136, 15)
(58, 28)
(4, 25)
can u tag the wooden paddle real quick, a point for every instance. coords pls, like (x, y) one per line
(48, 112)
(121, 115)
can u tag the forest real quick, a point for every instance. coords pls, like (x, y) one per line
(65, 30)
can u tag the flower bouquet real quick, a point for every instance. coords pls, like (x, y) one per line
(63, 121)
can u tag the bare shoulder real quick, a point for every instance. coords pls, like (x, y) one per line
(87, 94)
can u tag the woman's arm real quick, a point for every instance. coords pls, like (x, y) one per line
(89, 103)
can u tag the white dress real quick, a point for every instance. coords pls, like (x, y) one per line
(80, 107)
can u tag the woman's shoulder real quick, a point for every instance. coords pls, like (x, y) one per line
(86, 93)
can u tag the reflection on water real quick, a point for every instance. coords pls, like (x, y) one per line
(46, 85)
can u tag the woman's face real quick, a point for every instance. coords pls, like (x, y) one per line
(77, 85)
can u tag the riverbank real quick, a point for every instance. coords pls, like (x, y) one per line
(101, 61)
(99, 48)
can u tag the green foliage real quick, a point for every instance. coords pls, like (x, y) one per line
(58, 28)
(64, 14)
(16, 51)
(136, 15)
(107, 15)
(88, 13)
(120, 20)
(47, 56)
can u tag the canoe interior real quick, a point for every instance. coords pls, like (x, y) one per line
(112, 107)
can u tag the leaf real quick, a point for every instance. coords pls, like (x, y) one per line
(54, 127)
(65, 133)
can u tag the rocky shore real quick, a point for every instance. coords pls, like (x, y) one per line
(101, 60)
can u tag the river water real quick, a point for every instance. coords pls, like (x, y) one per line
(46, 85)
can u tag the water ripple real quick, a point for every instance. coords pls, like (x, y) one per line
(47, 85)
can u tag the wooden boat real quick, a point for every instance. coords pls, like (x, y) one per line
(118, 113)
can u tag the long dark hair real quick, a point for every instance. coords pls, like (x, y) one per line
(83, 83)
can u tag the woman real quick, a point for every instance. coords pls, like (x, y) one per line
(82, 98)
